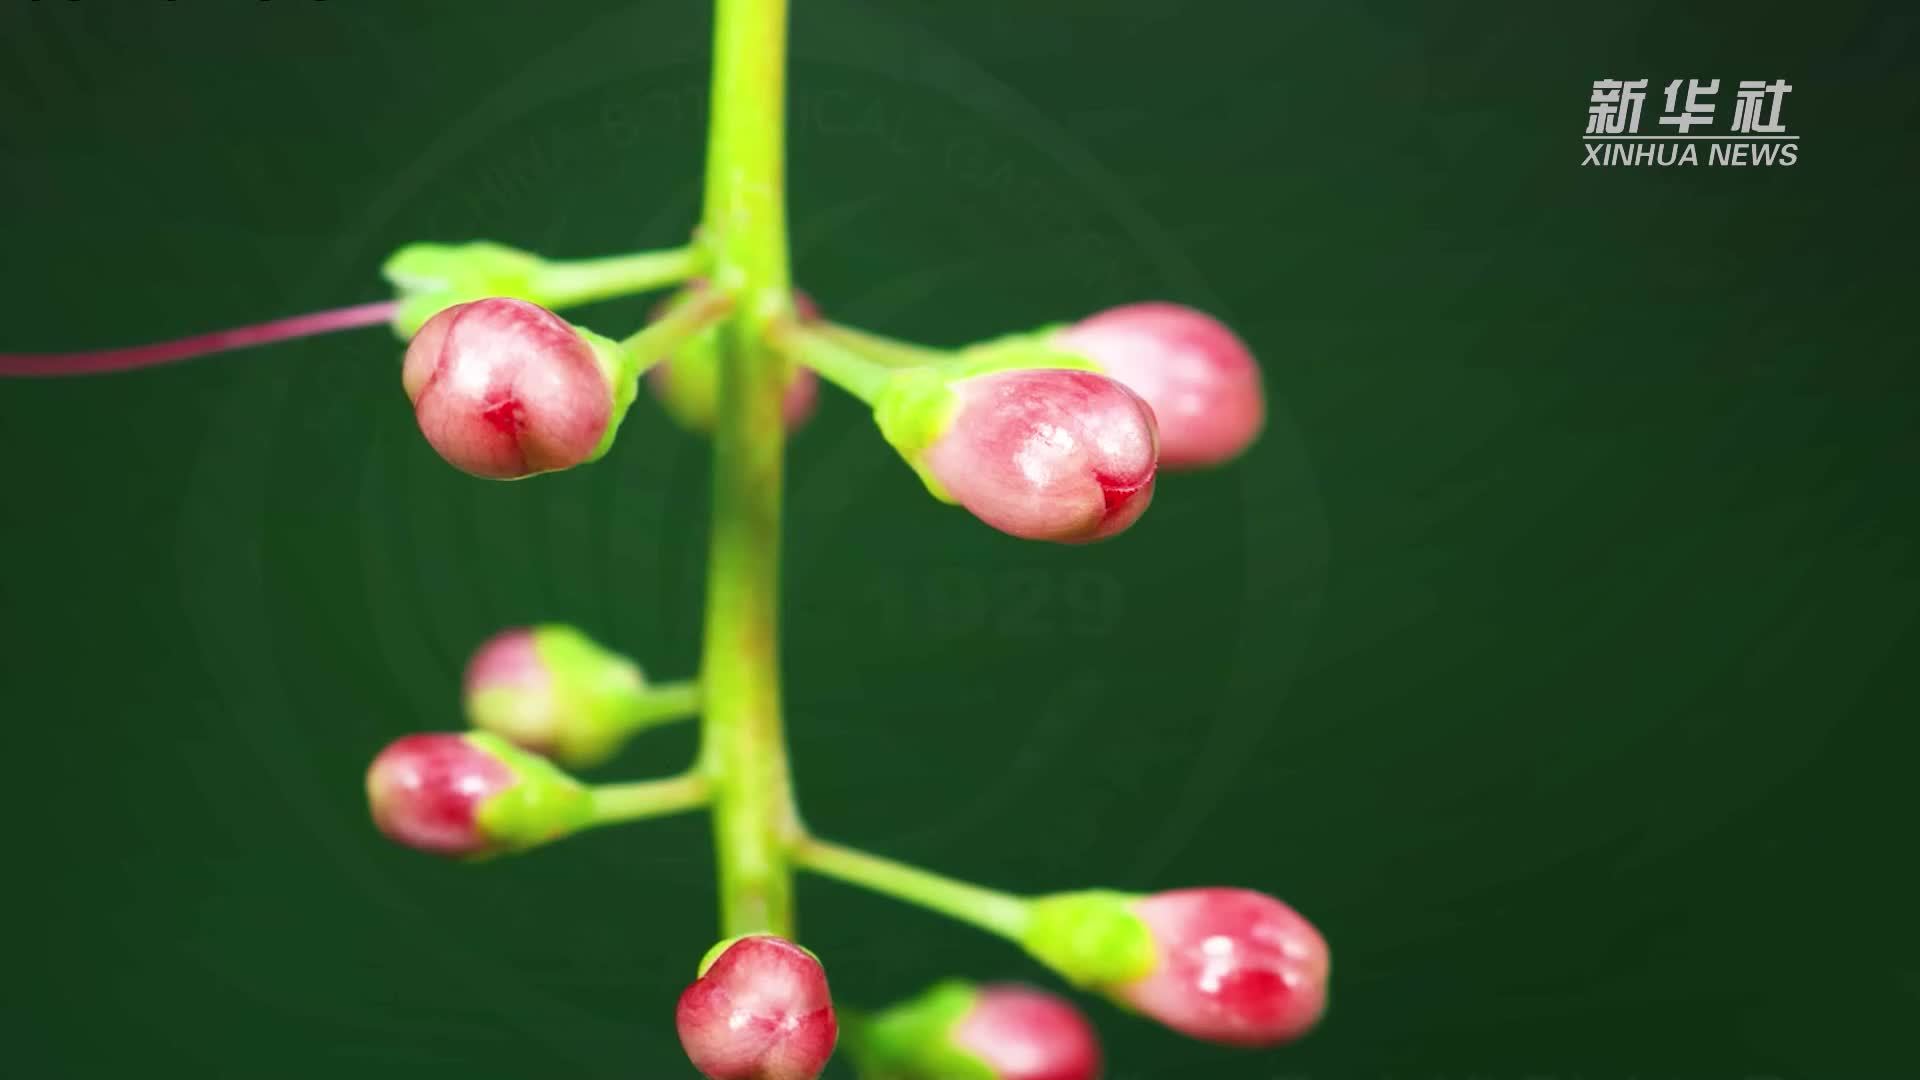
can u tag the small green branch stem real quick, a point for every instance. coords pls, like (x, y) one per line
(995, 912)
(661, 703)
(843, 367)
(880, 349)
(657, 340)
(743, 746)
(616, 803)
(565, 283)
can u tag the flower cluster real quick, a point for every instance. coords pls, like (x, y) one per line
(1055, 434)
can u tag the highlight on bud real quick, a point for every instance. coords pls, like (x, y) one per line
(505, 389)
(1044, 453)
(688, 382)
(555, 691)
(759, 1010)
(1201, 380)
(471, 796)
(995, 1032)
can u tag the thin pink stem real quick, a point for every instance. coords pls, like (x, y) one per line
(99, 362)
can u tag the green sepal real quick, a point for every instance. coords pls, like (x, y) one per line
(917, 405)
(715, 953)
(1033, 349)
(430, 278)
(1092, 938)
(544, 804)
(914, 1039)
(913, 411)
(594, 689)
(622, 370)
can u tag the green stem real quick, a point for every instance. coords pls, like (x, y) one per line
(881, 349)
(660, 703)
(989, 909)
(565, 283)
(657, 340)
(614, 803)
(841, 366)
(743, 747)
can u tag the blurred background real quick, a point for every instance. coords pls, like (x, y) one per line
(1549, 652)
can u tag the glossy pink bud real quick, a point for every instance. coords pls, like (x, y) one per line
(1047, 453)
(504, 389)
(1233, 966)
(426, 792)
(759, 1011)
(686, 383)
(1201, 380)
(1024, 1034)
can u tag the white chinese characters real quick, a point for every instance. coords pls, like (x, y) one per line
(1696, 109)
(1616, 106)
(1754, 133)
(1746, 106)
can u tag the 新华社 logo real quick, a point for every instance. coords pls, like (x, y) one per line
(1753, 132)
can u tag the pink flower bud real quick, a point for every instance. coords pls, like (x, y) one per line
(1047, 454)
(426, 792)
(509, 660)
(687, 383)
(1201, 380)
(760, 1010)
(1233, 966)
(508, 689)
(472, 795)
(553, 690)
(1024, 1034)
(505, 389)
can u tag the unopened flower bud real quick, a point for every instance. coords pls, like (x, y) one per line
(1235, 966)
(504, 389)
(1200, 379)
(1043, 453)
(759, 1010)
(688, 382)
(1223, 965)
(553, 690)
(471, 795)
(996, 1032)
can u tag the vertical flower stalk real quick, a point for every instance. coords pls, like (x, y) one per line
(744, 224)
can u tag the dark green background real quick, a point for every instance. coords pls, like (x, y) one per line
(1554, 651)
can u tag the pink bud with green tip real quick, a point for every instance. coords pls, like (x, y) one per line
(555, 691)
(1038, 452)
(471, 796)
(688, 382)
(1201, 380)
(957, 1031)
(759, 1010)
(1229, 966)
(505, 389)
